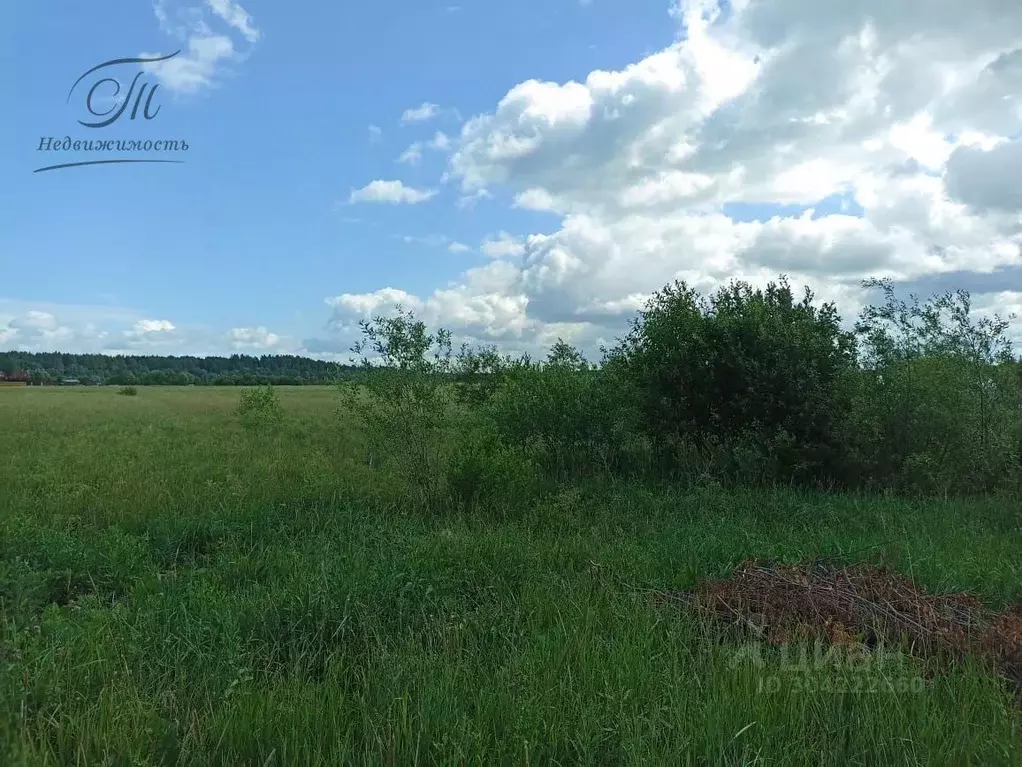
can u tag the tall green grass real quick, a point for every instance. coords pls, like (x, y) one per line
(180, 587)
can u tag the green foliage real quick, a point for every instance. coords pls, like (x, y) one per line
(938, 406)
(176, 590)
(128, 391)
(941, 327)
(573, 419)
(564, 356)
(478, 429)
(747, 386)
(479, 373)
(749, 368)
(260, 408)
(485, 474)
(405, 402)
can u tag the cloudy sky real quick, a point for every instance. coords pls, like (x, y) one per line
(516, 172)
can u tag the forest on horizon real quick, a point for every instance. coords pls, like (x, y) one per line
(152, 370)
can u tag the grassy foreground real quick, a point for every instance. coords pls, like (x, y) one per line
(175, 588)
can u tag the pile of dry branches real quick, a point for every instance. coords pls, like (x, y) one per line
(859, 606)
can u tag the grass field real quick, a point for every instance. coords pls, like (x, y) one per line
(178, 589)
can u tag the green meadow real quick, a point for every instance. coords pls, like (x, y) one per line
(178, 586)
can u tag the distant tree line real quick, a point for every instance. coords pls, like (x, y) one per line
(236, 370)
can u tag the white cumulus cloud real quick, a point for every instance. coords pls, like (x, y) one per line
(258, 338)
(426, 111)
(828, 141)
(503, 245)
(392, 192)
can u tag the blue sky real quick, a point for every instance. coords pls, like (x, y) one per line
(252, 230)
(256, 243)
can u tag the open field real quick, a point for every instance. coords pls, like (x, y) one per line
(176, 588)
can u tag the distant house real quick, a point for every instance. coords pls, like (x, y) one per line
(70, 382)
(19, 378)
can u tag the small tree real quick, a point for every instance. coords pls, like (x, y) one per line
(404, 399)
(564, 356)
(260, 408)
(938, 407)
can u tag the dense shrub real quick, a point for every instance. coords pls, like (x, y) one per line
(575, 419)
(749, 370)
(128, 391)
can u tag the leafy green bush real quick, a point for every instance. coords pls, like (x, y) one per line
(128, 391)
(574, 419)
(406, 402)
(260, 407)
(937, 407)
(749, 370)
(476, 429)
(479, 373)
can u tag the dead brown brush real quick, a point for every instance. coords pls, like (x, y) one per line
(859, 606)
